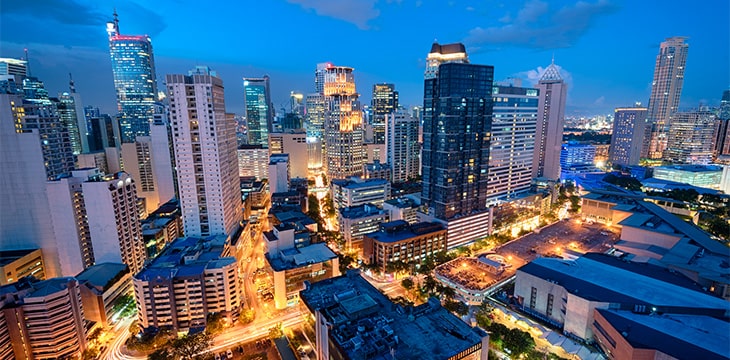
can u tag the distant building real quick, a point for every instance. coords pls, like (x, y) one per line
(577, 159)
(102, 287)
(722, 127)
(205, 154)
(690, 138)
(376, 170)
(356, 221)
(353, 320)
(399, 241)
(259, 109)
(356, 191)
(402, 208)
(666, 90)
(402, 147)
(706, 176)
(343, 126)
(253, 160)
(192, 278)
(294, 143)
(42, 319)
(627, 138)
(16, 264)
(294, 264)
(133, 66)
(384, 102)
(279, 173)
(566, 292)
(550, 121)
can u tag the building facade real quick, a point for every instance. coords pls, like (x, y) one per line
(204, 139)
(253, 160)
(627, 138)
(550, 123)
(279, 173)
(343, 127)
(133, 67)
(356, 191)
(402, 147)
(399, 241)
(356, 221)
(666, 89)
(384, 102)
(259, 111)
(102, 286)
(294, 143)
(16, 264)
(690, 138)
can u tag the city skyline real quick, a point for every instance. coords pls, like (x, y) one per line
(605, 66)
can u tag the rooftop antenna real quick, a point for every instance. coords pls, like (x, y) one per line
(116, 21)
(553, 61)
(27, 62)
(71, 86)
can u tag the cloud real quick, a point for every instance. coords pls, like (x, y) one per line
(537, 26)
(600, 101)
(68, 23)
(357, 12)
(532, 76)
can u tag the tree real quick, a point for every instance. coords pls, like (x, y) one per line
(161, 354)
(456, 307)
(275, 332)
(189, 346)
(246, 316)
(518, 341)
(215, 324)
(429, 284)
(407, 283)
(574, 203)
(90, 353)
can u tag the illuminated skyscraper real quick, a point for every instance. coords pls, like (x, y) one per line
(204, 137)
(343, 132)
(133, 65)
(666, 88)
(385, 101)
(690, 138)
(441, 54)
(627, 138)
(550, 122)
(259, 110)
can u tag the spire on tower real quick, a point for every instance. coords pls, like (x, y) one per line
(27, 62)
(71, 86)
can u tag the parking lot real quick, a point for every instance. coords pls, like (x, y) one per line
(554, 240)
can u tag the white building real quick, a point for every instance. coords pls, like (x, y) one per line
(357, 191)
(402, 208)
(402, 148)
(204, 138)
(253, 160)
(294, 143)
(279, 173)
(550, 121)
(356, 221)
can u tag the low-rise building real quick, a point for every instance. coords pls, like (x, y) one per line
(294, 261)
(42, 319)
(356, 221)
(161, 227)
(16, 264)
(376, 170)
(398, 241)
(253, 160)
(402, 208)
(706, 176)
(357, 191)
(353, 320)
(566, 292)
(190, 279)
(102, 287)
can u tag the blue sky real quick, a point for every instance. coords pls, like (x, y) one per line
(606, 48)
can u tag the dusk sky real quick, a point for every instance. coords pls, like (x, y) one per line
(606, 48)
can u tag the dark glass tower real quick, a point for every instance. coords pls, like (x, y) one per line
(457, 122)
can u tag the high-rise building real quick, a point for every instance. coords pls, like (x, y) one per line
(385, 101)
(441, 54)
(41, 114)
(294, 143)
(402, 147)
(690, 138)
(259, 109)
(43, 319)
(148, 161)
(666, 88)
(627, 138)
(722, 127)
(253, 160)
(204, 138)
(550, 122)
(343, 133)
(133, 66)
(512, 143)
(66, 106)
(96, 220)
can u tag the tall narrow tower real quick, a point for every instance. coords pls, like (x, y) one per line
(133, 65)
(259, 112)
(666, 88)
(343, 132)
(204, 138)
(550, 122)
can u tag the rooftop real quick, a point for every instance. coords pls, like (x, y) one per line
(604, 278)
(402, 202)
(399, 230)
(356, 212)
(367, 325)
(680, 336)
(454, 48)
(690, 168)
(186, 257)
(8, 256)
(302, 256)
(102, 276)
(357, 183)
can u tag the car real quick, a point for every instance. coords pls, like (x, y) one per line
(217, 356)
(229, 354)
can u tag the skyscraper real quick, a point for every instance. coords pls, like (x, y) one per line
(402, 148)
(259, 110)
(627, 138)
(457, 122)
(690, 138)
(666, 88)
(722, 127)
(204, 137)
(133, 65)
(441, 54)
(343, 132)
(550, 122)
(512, 143)
(385, 101)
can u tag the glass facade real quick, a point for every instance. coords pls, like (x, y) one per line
(457, 126)
(259, 116)
(133, 66)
